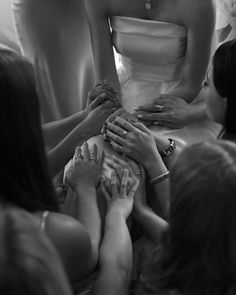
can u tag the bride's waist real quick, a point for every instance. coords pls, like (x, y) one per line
(150, 72)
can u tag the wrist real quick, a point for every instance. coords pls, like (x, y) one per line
(115, 214)
(85, 187)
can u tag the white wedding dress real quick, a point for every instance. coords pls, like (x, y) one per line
(152, 55)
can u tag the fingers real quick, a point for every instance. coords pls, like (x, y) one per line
(124, 183)
(94, 153)
(116, 129)
(104, 189)
(141, 127)
(114, 183)
(114, 115)
(78, 153)
(125, 124)
(153, 107)
(98, 100)
(101, 158)
(159, 117)
(86, 151)
(133, 189)
(119, 148)
(116, 138)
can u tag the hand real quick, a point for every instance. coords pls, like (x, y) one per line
(97, 117)
(118, 199)
(102, 88)
(86, 168)
(136, 172)
(133, 140)
(168, 111)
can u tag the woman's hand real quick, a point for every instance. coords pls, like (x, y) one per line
(168, 111)
(119, 200)
(86, 168)
(104, 89)
(98, 116)
(136, 172)
(133, 140)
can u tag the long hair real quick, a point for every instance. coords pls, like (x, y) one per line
(24, 176)
(29, 262)
(224, 73)
(198, 251)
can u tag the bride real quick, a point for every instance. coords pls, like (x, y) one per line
(164, 47)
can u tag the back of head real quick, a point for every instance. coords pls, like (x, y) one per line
(224, 73)
(24, 178)
(29, 262)
(198, 255)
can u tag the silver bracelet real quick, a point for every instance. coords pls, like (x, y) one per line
(169, 150)
(160, 178)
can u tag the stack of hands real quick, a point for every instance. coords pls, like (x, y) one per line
(127, 180)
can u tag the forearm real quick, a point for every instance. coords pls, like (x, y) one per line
(88, 214)
(184, 91)
(153, 225)
(116, 247)
(56, 131)
(156, 167)
(115, 257)
(60, 155)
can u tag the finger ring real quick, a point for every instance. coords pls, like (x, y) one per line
(92, 158)
(124, 133)
(137, 173)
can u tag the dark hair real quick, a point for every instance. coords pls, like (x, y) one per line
(24, 176)
(224, 73)
(198, 251)
(29, 262)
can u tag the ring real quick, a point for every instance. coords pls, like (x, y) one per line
(124, 133)
(92, 158)
(137, 173)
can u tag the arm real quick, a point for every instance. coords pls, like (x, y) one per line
(115, 257)
(199, 41)
(56, 131)
(116, 249)
(83, 177)
(98, 13)
(73, 244)
(138, 143)
(59, 156)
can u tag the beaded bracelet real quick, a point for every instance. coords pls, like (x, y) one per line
(159, 178)
(169, 150)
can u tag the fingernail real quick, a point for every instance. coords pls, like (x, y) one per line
(140, 116)
(159, 107)
(155, 123)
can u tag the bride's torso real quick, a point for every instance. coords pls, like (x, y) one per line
(152, 55)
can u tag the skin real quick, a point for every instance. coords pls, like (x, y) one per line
(216, 104)
(182, 12)
(115, 259)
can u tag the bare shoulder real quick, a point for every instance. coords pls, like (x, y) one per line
(72, 242)
(197, 12)
(63, 227)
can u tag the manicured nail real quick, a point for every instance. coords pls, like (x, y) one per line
(140, 116)
(159, 107)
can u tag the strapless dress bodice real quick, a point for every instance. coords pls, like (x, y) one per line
(149, 50)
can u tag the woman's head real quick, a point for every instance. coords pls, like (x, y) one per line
(24, 178)
(199, 251)
(221, 87)
(29, 262)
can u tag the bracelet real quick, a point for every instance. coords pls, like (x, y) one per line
(169, 150)
(160, 178)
